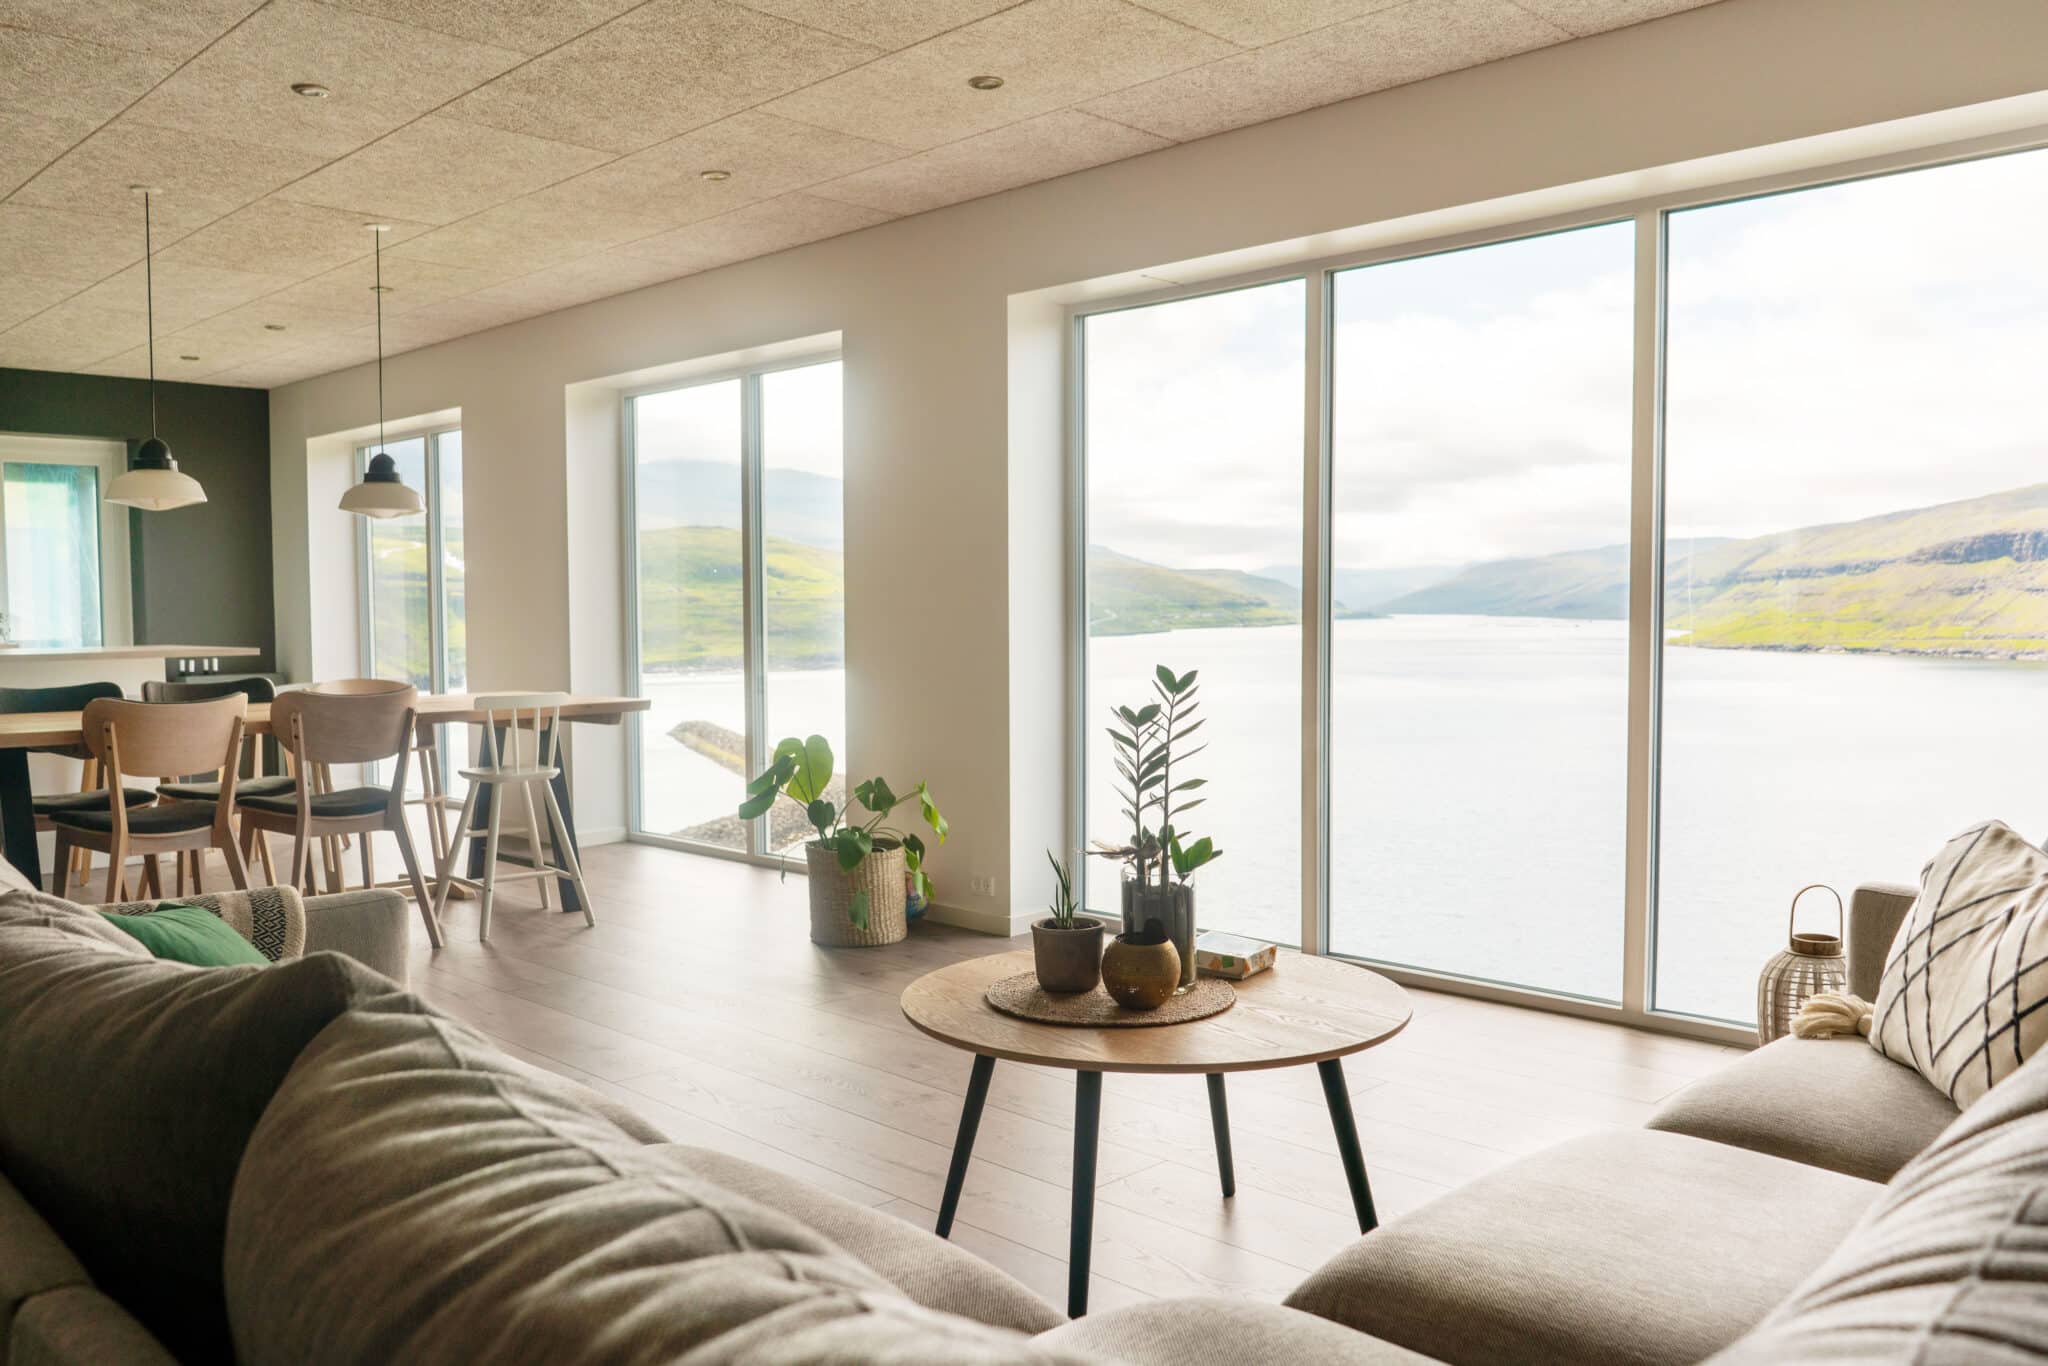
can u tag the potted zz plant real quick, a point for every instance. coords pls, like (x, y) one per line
(1066, 947)
(857, 863)
(1160, 858)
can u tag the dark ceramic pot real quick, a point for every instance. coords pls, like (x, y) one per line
(1068, 960)
(1141, 971)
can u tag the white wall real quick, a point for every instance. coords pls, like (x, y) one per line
(954, 640)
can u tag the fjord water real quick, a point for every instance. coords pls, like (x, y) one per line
(1477, 787)
(1478, 791)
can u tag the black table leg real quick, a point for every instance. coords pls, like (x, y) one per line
(1339, 1100)
(17, 815)
(1219, 1117)
(1081, 1234)
(963, 1143)
(572, 904)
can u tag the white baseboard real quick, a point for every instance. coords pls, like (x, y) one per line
(610, 834)
(990, 922)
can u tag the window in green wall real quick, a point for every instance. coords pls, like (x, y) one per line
(51, 514)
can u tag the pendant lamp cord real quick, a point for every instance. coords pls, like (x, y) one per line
(378, 238)
(149, 305)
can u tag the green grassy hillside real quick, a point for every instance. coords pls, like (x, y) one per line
(1968, 577)
(1128, 597)
(690, 613)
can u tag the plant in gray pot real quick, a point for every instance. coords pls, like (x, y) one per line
(1160, 858)
(1066, 947)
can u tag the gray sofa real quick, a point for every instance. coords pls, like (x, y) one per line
(359, 1179)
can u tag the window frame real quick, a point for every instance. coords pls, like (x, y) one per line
(110, 460)
(1650, 215)
(437, 579)
(753, 624)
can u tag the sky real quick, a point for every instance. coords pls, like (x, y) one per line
(1832, 353)
(800, 422)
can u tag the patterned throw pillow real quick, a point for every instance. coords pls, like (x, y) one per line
(271, 918)
(1960, 1001)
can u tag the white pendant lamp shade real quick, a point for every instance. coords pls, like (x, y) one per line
(382, 493)
(152, 481)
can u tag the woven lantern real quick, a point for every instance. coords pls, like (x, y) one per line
(1811, 964)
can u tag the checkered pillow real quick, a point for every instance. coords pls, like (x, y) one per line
(1961, 998)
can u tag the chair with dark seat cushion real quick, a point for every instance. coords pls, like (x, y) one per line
(362, 722)
(252, 782)
(69, 697)
(157, 740)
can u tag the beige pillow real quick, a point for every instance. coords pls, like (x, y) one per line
(1961, 996)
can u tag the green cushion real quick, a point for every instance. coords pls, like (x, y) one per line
(188, 934)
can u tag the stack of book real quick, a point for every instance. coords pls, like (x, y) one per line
(1232, 955)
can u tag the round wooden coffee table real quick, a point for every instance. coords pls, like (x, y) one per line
(1302, 1010)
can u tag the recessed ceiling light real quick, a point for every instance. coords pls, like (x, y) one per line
(714, 175)
(188, 358)
(144, 189)
(986, 82)
(380, 289)
(273, 327)
(307, 90)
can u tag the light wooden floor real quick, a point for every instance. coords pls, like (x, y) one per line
(700, 1001)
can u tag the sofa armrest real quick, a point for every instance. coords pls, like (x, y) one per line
(1876, 910)
(369, 925)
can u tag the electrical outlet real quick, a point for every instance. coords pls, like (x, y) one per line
(982, 884)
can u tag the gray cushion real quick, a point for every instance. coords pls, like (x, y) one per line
(373, 927)
(1834, 1103)
(486, 1215)
(33, 1258)
(244, 787)
(47, 804)
(1184, 1332)
(1951, 1263)
(110, 1055)
(81, 1326)
(349, 801)
(164, 818)
(922, 1265)
(1632, 1246)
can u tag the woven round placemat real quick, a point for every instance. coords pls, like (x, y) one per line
(1023, 997)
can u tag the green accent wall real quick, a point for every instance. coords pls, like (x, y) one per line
(203, 573)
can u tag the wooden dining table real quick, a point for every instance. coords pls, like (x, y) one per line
(24, 732)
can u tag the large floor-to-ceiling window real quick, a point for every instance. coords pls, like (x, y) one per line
(1194, 563)
(1856, 547)
(414, 588)
(738, 594)
(1479, 646)
(1655, 564)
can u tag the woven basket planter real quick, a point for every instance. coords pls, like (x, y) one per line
(880, 874)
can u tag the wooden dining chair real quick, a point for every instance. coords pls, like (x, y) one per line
(318, 730)
(90, 796)
(158, 740)
(514, 765)
(252, 782)
(433, 796)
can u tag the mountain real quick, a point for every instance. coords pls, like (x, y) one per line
(1129, 597)
(795, 504)
(1362, 592)
(1968, 577)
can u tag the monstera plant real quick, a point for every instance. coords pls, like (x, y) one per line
(849, 834)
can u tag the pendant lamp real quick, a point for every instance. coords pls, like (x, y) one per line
(153, 482)
(382, 493)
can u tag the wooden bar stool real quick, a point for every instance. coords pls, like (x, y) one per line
(90, 796)
(507, 769)
(159, 740)
(320, 728)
